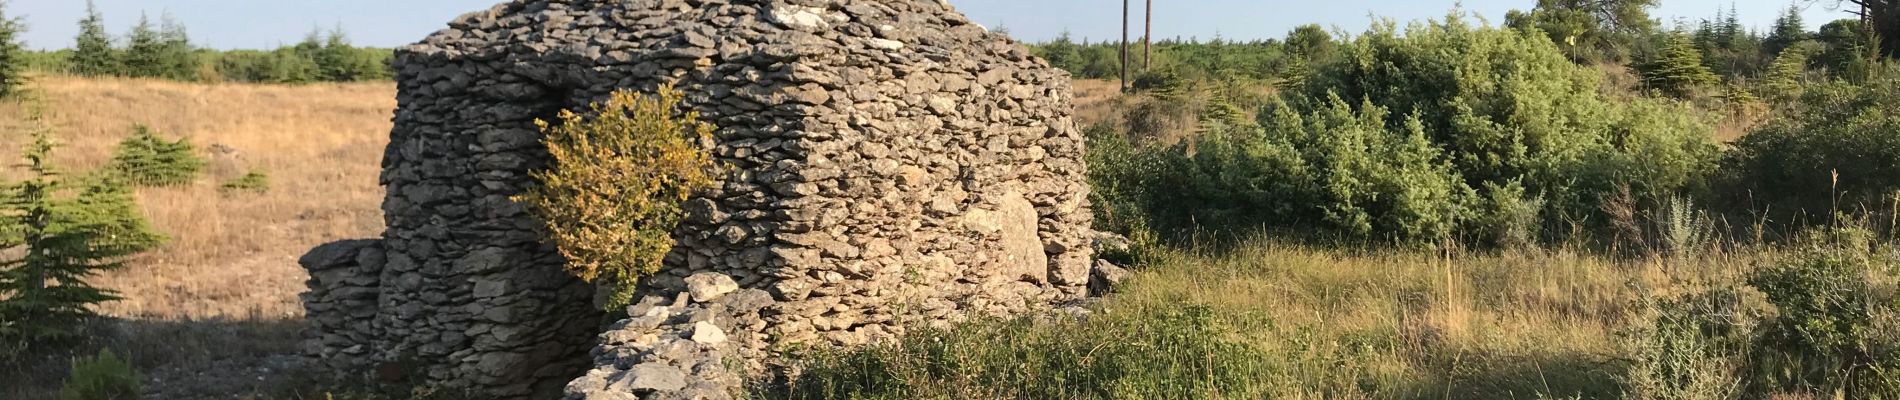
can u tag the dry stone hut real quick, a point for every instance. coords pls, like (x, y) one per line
(890, 162)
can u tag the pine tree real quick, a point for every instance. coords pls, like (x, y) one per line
(1845, 48)
(1880, 24)
(1724, 32)
(144, 51)
(1784, 76)
(148, 160)
(1062, 52)
(289, 65)
(1789, 29)
(311, 44)
(12, 54)
(59, 232)
(1309, 41)
(175, 50)
(1733, 35)
(1707, 33)
(334, 57)
(1678, 70)
(301, 63)
(93, 54)
(338, 61)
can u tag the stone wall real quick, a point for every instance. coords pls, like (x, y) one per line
(891, 163)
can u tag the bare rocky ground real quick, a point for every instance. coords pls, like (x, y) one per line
(256, 377)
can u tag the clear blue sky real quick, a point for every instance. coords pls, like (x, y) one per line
(229, 24)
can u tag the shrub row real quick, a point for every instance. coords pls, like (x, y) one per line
(1447, 131)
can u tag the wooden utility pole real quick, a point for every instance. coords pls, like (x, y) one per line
(1867, 31)
(1124, 46)
(1147, 35)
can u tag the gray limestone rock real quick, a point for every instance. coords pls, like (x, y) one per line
(708, 286)
(1105, 276)
(335, 254)
(650, 377)
(707, 333)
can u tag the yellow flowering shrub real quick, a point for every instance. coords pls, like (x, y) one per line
(612, 197)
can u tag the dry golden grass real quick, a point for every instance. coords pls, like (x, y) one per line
(1100, 101)
(231, 255)
(1096, 101)
(214, 310)
(1738, 123)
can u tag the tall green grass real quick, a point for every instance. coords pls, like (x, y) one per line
(1263, 319)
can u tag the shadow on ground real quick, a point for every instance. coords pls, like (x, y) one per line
(1545, 376)
(224, 358)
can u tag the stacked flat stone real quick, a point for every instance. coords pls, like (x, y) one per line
(889, 162)
(679, 348)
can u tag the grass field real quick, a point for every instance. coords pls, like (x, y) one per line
(1292, 321)
(234, 255)
(224, 288)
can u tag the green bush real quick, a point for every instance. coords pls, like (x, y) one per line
(1678, 69)
(1689, 348)
(1509, 217)
(103, 377)
(1127, 181)
(1504, 107)
(253, 181)
(1784, 81)
(148, 160)
(1844, 48)
(1165, 81)
(1444, 131)
(612, 198)
(1829, 298)
(1819, 319)
(1336, 167)
(1833, 151)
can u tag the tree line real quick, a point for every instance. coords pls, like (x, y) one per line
(164, 50)
(1608, 32)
